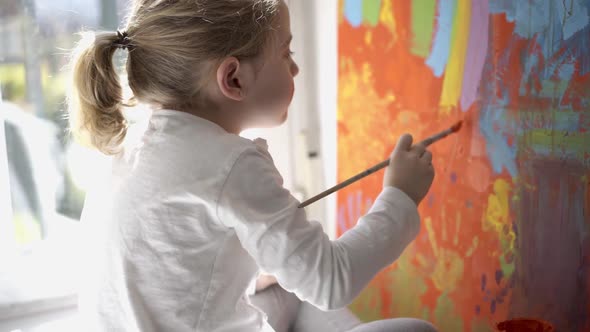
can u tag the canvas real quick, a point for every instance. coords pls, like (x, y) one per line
(505, 227)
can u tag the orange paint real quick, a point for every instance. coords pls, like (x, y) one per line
(462, 267)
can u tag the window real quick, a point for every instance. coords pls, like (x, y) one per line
(43, 173)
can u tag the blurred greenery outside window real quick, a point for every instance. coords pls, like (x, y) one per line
(45, 169)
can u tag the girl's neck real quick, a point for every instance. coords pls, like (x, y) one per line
(217, 116)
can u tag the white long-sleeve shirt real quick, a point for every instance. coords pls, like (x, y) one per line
(190, 217)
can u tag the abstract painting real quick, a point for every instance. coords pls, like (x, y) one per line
(505, 230)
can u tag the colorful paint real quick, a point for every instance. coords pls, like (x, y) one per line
(506, 226)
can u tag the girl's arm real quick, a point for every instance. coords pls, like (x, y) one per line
(277, 234)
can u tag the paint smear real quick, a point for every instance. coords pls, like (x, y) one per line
(422, 26)
(440, 49)
(353, 12)
(454, 76)
(387, 19)
(371, 9)
(476, 52)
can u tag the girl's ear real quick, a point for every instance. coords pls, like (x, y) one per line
(232, 78)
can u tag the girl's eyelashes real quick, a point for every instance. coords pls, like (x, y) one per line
(290, 53)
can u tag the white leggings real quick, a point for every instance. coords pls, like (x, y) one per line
(286, 313)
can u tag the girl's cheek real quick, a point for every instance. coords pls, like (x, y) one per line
(292, 90)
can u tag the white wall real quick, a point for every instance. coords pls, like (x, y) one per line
(311, 127)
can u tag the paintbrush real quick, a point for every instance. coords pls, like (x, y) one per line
(432, 139)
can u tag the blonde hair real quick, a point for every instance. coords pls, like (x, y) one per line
(170, 43)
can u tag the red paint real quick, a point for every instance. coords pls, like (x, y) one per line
(525, 325)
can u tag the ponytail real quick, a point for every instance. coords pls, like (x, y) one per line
(95, 97)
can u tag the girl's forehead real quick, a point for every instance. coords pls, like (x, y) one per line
(283, 23)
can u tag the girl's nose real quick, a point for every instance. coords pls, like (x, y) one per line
(294, 69)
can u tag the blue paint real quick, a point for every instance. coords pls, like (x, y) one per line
(566, 71)
(342, 219)
(353, 12)
(359, 199)
(453, 177)
(493, 122)
(353, 209)
(350, 206)
(430, 199)
(437, 60)
(500, 153)
(545, 20)
(507, 7)
(368, 204)
(477, 309)
(566, 122)
(530, 63)
(483, 282)
(574, 18)
(493, 306)
(578, 47)
(532, 17)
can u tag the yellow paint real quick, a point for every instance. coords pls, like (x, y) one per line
(497, 219)
(407, 287)
(369, 37)
(387, 19)
(443, 217)
(367, 73)
(497, 211)
(431, 235)
(474, 244)
(448, 270)
(451, 90)
(364, 113)
(421, 260)
(457, 229)
(446, 315)
(405, 117)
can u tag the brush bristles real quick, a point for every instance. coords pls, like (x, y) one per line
(455, 128)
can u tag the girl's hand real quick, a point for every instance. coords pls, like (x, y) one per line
(410, 169)
(264, 281)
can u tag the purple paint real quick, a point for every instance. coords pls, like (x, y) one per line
(453, 177)
(499, 275)
(477, 309)
(493, 306)
(430, 199)
(477, 47)
(553, 228)
(483, 282)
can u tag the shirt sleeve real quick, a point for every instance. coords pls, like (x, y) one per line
(278, 236)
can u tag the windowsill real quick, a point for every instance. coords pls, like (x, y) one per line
(43, 279)
(37, 306)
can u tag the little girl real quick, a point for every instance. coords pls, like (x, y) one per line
(194, 212)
